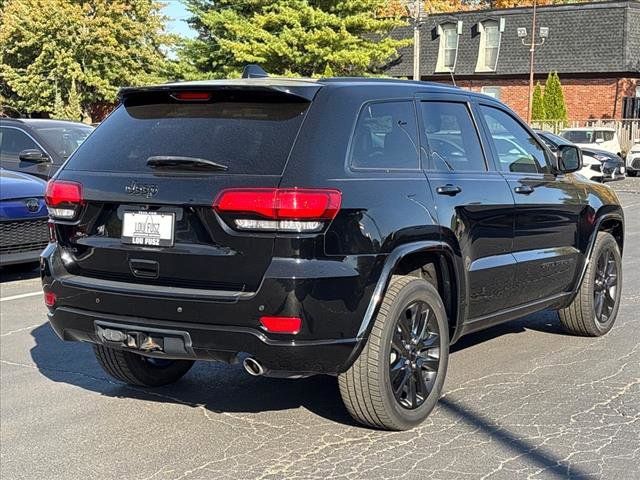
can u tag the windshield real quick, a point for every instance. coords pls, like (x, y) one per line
(579, 136)
(64, 139)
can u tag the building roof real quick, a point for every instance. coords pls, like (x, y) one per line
(584, 38)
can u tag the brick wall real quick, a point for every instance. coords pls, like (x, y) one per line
(585, 98)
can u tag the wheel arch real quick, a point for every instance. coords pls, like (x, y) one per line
(612, 224)
(611, 221)
(407, 259)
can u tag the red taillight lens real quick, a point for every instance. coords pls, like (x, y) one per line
(290, 325)
(281, 203)
(62, 198)
(60, 191)
(50, 299)
(260, 201)
(280, 209)
(297, 204)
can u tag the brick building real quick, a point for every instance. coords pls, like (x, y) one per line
(594, 47)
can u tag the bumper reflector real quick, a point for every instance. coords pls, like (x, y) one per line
(290, 325)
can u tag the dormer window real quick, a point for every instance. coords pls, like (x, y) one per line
(449, 34)
(490, 34)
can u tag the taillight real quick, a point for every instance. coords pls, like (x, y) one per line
(63, 198)
(279, 209)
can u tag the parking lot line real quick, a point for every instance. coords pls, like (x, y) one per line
(22, 295)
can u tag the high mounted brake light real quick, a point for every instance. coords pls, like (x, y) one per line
(192, 96)
(279, 209)
(63, 198)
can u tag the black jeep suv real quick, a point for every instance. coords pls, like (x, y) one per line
(350, 227)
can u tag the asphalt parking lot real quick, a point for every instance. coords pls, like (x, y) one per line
(522, 400)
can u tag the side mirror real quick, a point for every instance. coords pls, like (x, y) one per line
(33, 155)
(569, 158)
(599, 140)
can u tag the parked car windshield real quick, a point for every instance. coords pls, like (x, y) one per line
(64, 139)
(579, 136)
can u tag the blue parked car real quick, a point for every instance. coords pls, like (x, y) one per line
(23, 218)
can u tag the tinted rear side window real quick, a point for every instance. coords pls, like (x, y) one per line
(452, 137)
(386, 137)
(249, 137)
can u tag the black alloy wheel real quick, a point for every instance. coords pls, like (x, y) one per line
(605, 286)
(415, 355)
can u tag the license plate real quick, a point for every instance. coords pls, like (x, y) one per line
(152, 229)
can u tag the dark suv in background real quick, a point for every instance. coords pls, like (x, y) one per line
(39, 146)
(350, 227)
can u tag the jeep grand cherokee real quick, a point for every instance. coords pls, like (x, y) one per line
(350, 227)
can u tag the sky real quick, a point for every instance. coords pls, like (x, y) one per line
(177, 13)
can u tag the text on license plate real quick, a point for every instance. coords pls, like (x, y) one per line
(148, 228)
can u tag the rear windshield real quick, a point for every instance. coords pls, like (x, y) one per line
(248, 137)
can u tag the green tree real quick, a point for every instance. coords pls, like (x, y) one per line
(59, 109)
(289, 37)
(553, 99)
(537, 104)
(101, 45)
(74, 109)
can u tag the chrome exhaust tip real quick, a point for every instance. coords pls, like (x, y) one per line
(253, 367)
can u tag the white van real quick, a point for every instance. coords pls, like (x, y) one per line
(605, 138)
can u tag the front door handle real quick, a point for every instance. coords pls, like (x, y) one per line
(448, 189)
(524, 189)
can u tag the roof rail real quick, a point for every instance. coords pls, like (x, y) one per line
(254, 71)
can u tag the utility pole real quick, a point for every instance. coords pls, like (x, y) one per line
(416, 10)
(531, 68)
(522, 33)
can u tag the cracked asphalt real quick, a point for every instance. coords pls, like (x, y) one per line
(522, 401)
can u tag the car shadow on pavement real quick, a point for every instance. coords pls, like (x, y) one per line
(12, 273)
(228, 388)
(221, 388)
(215, 386)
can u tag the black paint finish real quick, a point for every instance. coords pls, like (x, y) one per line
(506, 252)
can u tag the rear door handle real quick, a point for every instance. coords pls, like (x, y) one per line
(524, 189)
(448, 189)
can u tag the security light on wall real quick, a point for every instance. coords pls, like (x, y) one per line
(544, 32)
(522, 32)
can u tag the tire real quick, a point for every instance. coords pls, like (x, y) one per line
(138, 370)
(367, 387)
(632, 173)
(582, 316)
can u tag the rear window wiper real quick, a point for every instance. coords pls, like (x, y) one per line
(184, 163)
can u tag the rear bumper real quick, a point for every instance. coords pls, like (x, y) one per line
(213, 342)
(329, 296)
